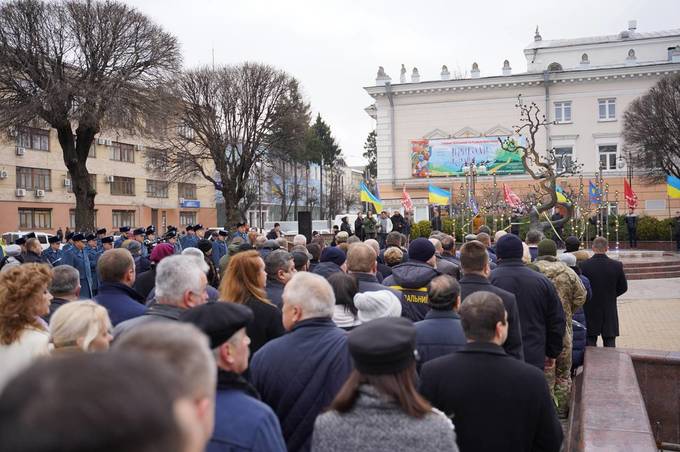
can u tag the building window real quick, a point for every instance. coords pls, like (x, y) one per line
(186, 191)
(35, 218)
(186, 218)
(123, 186)
(607, 156)
(123, 218)
(563, 111)
(72, 218)
(122, 152)
(155, 159)
(93, 182)
(564, 157)
(554, 67)
(606, 109)
(156, 188)
(31, 138)
(34, 178)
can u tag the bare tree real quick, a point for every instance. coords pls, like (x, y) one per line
(82, 67)
(350, 199)
(226, 123)
(541, 166)
(652, 130)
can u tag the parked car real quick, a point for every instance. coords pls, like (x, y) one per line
(10, 237)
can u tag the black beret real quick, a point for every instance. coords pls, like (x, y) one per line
(53, 239)
(219, 321)
(108, 239)
(20, 241)
(78, 237)
(69, 235)
(89, 237)
(189, 228)
(101, 231)
(223, 233)
(383, 346)
(30, 235)
(124, 229)
(198, 227)
(139, 231)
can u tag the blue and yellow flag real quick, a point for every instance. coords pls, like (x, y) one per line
(673, 186)
(561, 197)
(438, 195)
(365, 195)
(594, 194)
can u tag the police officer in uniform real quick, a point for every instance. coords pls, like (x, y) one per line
(150, 240)
(190, 240)
(78, 258)
(101, 233)
(54, 254)
(107, 243)
(93, 254)
(69, 243)
(123, 236)
(139, 236)
(219, 247)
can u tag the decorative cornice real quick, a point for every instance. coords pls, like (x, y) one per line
(564, 137)
(607, 135)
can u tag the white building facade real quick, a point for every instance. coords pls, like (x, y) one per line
(584, 85)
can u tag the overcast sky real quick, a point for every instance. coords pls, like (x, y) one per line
(335, 47)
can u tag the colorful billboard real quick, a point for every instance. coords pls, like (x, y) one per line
(448, 156)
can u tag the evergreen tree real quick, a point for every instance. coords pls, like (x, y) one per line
(371, 154)
(323, 150)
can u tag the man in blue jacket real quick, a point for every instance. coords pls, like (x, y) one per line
(300, 373)
(117, 272)
(219, 247)
(93, 254)
(242, 421)
(190, 239)
(124, 231)
(78, 258)
(54, 254)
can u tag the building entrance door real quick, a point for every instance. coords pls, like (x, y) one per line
(154, 218)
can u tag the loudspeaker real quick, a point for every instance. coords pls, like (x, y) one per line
(305, 224)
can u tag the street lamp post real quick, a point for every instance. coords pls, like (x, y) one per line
(471, 172)
(259, 196)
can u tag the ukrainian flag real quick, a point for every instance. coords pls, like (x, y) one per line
(365, 195)
(561, 197)
(673, 186)
(439, 196)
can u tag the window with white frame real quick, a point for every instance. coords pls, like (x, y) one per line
(32, 138)
(123, 218)
(608, 156)
(35, 218)
(186, 218)
(564, 157)
(563, 111)
(606, 109)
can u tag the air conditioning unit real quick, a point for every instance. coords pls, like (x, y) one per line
(110, 179)
(108, 142)
(20, 192)
(3, 174)
(40, 193)
(20, 150)
(101, 141)
(13, 132)
(139, 147)
(67, 182)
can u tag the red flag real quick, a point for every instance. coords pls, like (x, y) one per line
(406, 200)
(511, 198)
(631, 197)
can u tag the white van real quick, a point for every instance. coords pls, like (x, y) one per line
(10, 237)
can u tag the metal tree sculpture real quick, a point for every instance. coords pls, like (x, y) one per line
(542, 167)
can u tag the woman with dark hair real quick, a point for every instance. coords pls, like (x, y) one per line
(345, 287)
(213, 275)
(244, 282)
(24, 298)
(378, 407)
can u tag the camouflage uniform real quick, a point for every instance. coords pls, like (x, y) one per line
(572, 294)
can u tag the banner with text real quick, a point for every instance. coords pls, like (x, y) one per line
(448, 156)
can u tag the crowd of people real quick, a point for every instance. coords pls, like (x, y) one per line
(239, 340)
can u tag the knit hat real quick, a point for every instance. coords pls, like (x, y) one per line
(572, 244)
(376, 304)
(161, 251)
(204, 245)
(131, 245)
(568, 259)
(547, 247)
(509, 247)
(333, 254)
(383, 346)
(13, 250)
(421, 249)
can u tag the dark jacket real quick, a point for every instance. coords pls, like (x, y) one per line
(121, 301)
(266, 325)
(369, 283)
(397, 222)
(155, 312)
(540, 309)
(436, 223)
(81, 262)
(359, 227)
(242, 422)
(326, 269)
(142, 264)
(578, 345)
(32, 258)
(145, 282)
(55, 304)
(497, 403)
(299, 374)
(272, 235)
(275, 292)
(470, 284)
(608, 282)
(346, 227)
(411, 279)
(439, 334)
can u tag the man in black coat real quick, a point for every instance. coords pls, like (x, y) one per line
(540, 309)
(495, 402)
(359, 226)
(475, 266)
(436, 221)
(608, 281)
(280, 268)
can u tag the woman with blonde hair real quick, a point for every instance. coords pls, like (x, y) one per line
(244, 282)
(24, 298)
(82, 326)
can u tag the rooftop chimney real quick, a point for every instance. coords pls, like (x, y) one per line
(632, 25)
